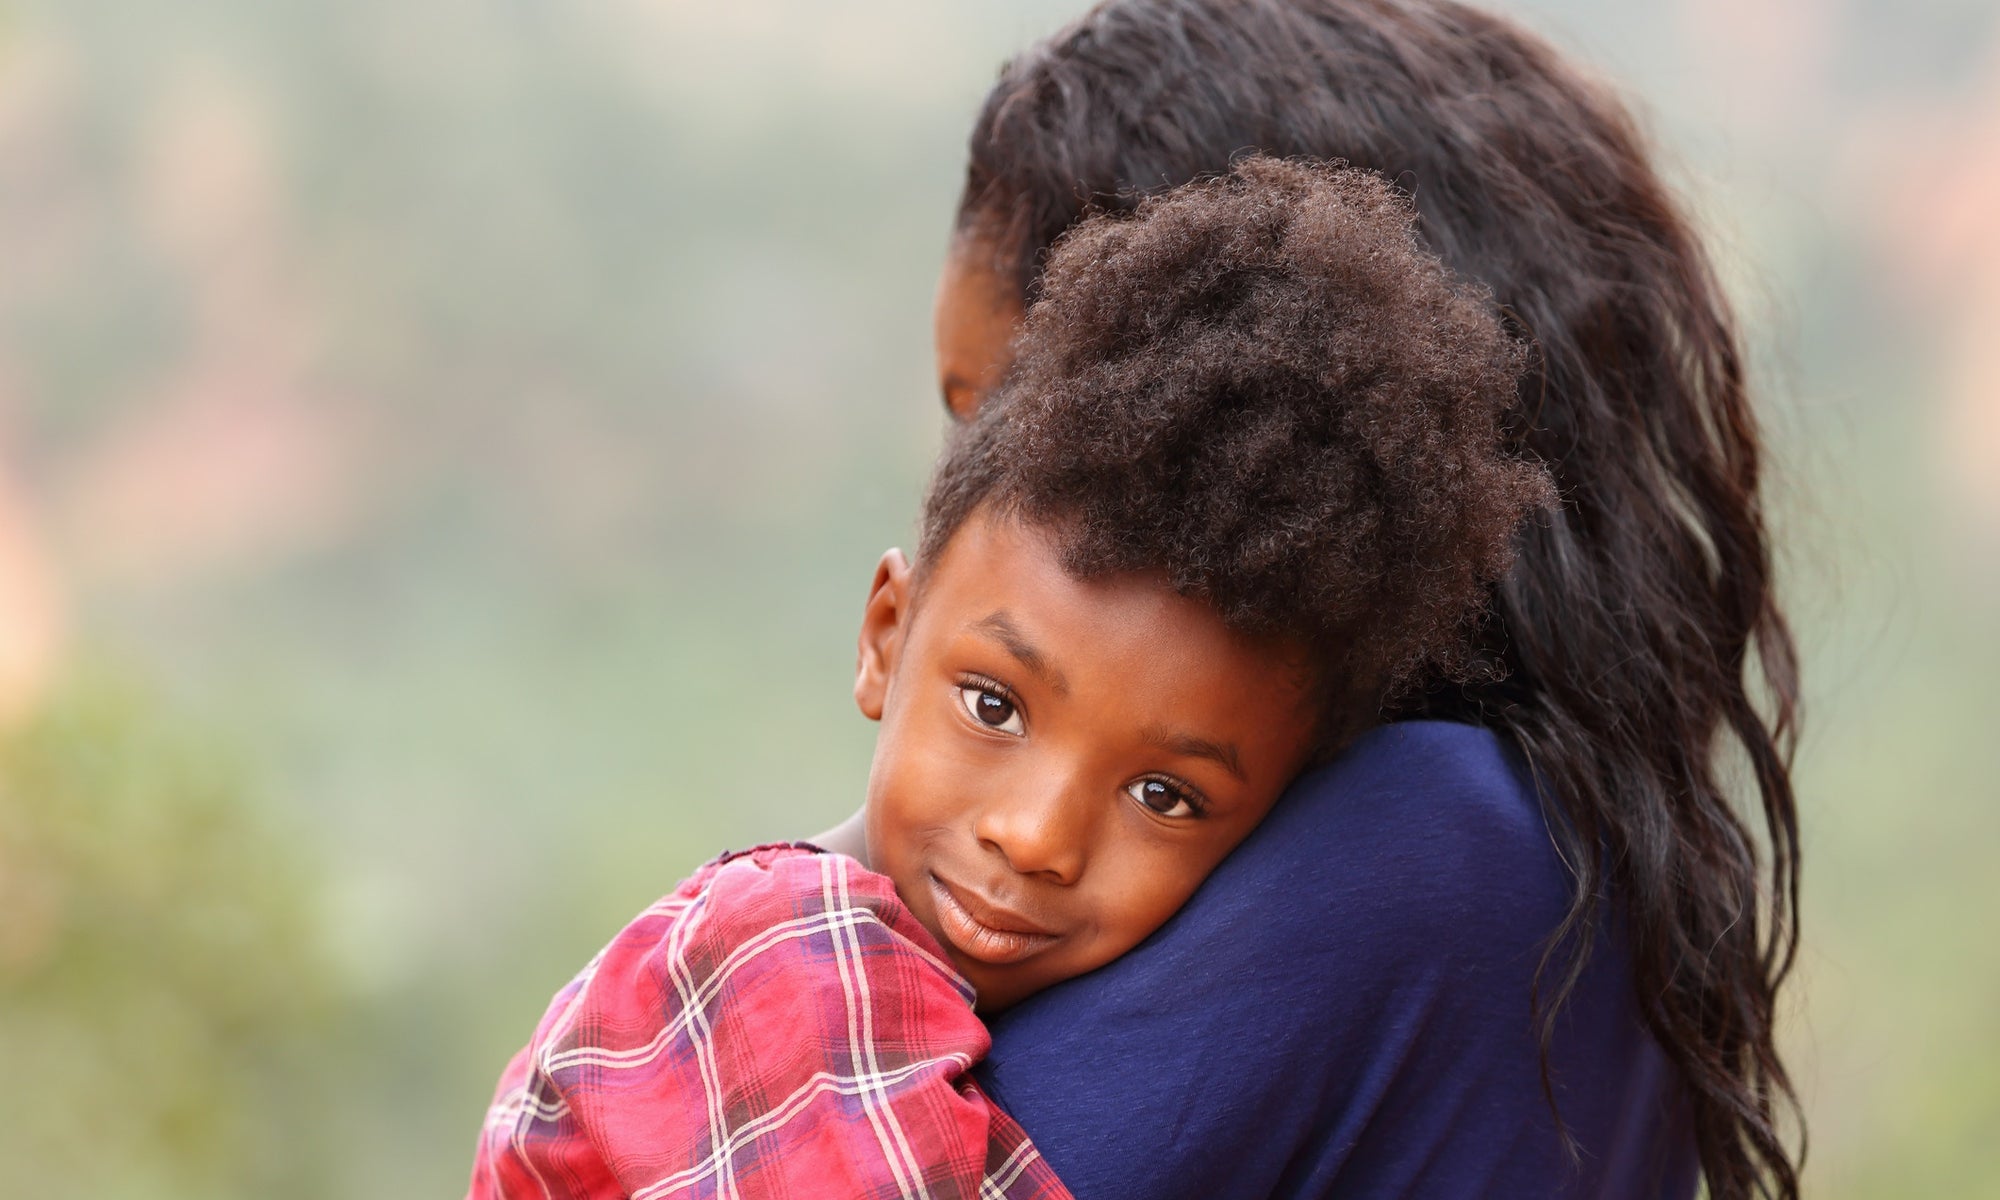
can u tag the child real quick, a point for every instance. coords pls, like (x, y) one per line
(1252, 434)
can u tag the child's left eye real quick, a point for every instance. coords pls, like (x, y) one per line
(1162, 798)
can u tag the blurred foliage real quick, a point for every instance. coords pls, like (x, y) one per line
(164, 992)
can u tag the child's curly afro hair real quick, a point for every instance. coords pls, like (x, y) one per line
(1263, 387)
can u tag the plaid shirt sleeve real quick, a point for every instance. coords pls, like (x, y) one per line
(780, 1028)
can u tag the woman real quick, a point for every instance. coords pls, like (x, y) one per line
(1527, 946)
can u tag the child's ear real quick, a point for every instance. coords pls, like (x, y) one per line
(882, 633)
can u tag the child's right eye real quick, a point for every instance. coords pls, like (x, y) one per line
(987, 704)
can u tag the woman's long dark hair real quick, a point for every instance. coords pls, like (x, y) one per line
(1645, 659)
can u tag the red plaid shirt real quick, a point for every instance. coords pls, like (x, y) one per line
(780, 1027)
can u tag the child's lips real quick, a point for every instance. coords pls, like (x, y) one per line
(986, 931)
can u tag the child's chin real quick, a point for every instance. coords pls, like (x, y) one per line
(997, 995)
(992, 1005)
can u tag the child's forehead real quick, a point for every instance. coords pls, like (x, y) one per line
(1003, 579)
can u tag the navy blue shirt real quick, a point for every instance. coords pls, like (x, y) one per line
(1343, 1009)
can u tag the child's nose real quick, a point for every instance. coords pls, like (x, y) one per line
(1043, 828)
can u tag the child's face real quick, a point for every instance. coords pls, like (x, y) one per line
(1061, 761)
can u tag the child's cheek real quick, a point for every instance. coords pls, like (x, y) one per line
(901, 793)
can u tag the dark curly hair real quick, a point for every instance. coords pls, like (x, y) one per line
(1262, 386)
(1647, 660)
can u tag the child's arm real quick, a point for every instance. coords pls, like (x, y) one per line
(780, 1027)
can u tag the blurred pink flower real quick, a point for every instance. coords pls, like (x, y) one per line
(32, 613)
(1926, 176)
(230, 467)
(235, 453)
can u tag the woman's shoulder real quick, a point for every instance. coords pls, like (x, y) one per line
(1440, 773)
(1422, 829)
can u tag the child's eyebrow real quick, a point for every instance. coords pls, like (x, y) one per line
(1197, 747)
(1002, 629)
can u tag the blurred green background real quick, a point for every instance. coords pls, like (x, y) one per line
(444, 446)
